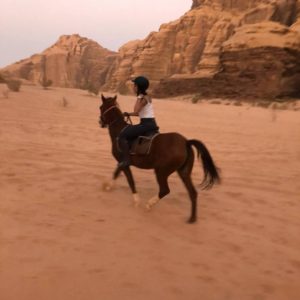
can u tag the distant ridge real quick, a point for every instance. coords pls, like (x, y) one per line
(73, 61)
(220, 48)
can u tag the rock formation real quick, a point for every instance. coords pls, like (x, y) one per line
(214, 37)
(234, 48)
(259, 61)
(175, 49)
(72, 61)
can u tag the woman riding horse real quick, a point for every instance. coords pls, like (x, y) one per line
(170, 152)
(144, 109)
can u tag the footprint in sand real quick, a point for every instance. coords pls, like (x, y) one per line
(175, 290)
(10, 174)
(268, 289)
(129, 284)
(295, 264)
(234, 194)
(96, 270)
(206, 278)
(200, 266)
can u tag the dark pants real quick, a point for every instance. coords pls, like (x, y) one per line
(133, 131)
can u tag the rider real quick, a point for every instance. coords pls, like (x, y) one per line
(142, 108)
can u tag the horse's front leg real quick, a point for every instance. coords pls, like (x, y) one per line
(128, 174)
(108, 186)
(162, 180)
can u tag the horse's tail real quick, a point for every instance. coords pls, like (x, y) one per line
(211, 172)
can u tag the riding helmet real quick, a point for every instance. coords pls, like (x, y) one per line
(142, 82)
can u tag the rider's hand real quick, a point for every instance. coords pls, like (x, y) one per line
(126, 114)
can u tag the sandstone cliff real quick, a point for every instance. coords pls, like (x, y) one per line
(234, 48)
(205, 44)
(259, 61)
(72, 61)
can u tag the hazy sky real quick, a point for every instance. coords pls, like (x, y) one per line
(30, 26)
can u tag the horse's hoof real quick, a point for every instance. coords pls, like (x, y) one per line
(192, 220)
(136, 200)
(107, 186)
(153, 201)
(149, 207)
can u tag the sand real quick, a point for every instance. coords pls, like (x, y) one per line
(62, 237)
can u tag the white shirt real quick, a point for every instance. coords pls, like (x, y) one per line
(147, 110)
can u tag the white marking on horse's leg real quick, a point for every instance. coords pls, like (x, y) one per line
(108, 186)
(152, 202)
(136, 199)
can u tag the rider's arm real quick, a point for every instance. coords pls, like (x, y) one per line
(140, 103)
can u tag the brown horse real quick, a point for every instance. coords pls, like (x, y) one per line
(169, 152)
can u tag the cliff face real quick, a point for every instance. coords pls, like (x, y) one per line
(258, 61)
(232, 5)
(72, 61)
(220, 47)
(197, 46)
(175, 49)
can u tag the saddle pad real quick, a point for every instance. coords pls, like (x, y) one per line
(142, 145)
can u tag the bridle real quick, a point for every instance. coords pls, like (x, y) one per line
(116, 120)
(110, 108)
(105, 112)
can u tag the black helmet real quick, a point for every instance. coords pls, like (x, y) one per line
(141, 82)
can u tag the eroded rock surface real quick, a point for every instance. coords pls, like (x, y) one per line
(72, 61)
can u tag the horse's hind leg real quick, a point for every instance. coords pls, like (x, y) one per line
(128, 174)
(162, 179)
(185, 174)
(186, 178)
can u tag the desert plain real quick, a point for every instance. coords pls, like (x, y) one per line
(63, 237)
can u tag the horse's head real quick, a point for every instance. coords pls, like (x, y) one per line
(109, 111)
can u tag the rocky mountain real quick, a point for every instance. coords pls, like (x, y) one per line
(234, 48)
(230, 48)
(73, 61)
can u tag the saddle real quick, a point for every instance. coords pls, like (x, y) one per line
(142, 144)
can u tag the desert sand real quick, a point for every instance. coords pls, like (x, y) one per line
(62, 237)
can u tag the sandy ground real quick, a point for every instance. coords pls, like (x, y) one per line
(62, 237)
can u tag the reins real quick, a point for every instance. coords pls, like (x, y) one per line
(127, 118)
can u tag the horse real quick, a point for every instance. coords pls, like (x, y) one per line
(169, 152)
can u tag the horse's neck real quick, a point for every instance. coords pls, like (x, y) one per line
(115, 129)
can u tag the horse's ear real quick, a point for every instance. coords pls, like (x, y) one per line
(115, 98)
(103, 98)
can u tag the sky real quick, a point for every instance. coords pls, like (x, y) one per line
(30, 26)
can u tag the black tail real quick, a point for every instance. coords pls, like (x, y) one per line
(211, 175)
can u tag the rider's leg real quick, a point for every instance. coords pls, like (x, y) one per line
(124, 147)
(130, 132)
